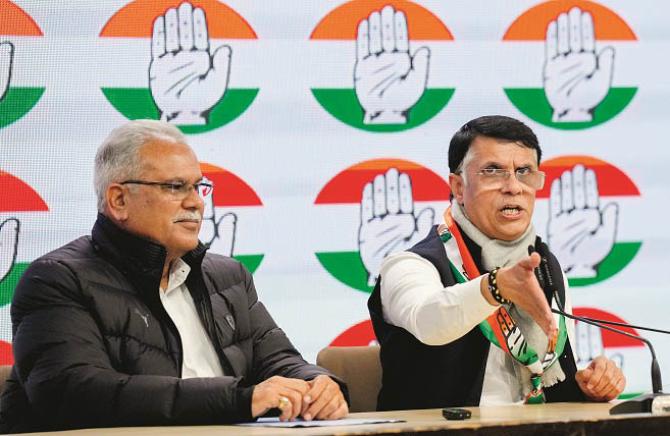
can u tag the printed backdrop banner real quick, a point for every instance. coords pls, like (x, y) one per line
(324, 128)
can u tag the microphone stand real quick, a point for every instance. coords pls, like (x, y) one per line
(642, 403)
(656, 401)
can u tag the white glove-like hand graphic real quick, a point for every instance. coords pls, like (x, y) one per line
(387, 79)
(589, 342)
(9, 239)
(388, 221)
(218, 233)
(580, 234)
(6, 59)
(185, 80)
(575, 79)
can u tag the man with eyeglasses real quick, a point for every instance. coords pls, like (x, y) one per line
(464, 317)
(138, 325)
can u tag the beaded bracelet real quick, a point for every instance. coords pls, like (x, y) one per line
(493, 287)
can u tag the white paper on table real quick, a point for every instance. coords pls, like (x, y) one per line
(275, 422)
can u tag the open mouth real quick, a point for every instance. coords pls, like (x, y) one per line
(511, 211)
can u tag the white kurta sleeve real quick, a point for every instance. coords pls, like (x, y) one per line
(414, 298)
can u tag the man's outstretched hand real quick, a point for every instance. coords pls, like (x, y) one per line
(518, 284)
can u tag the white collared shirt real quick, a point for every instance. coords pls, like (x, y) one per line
(414, 298)
(199, 356)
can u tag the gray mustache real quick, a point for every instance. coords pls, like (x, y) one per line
(189, 216)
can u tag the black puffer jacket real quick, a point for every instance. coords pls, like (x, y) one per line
(94, 347)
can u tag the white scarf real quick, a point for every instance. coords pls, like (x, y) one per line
(497, 253)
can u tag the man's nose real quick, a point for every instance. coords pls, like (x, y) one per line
(512, 184)
(193, 200)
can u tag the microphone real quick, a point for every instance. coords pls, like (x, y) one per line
(657, 401)
(623, 324)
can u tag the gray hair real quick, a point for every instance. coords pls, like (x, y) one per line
(118, 156)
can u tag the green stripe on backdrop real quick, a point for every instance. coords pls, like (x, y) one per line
(9, 283)
(250, 261)
(343, 105)
(17, 102)
(621, 255)
(347, 267)
(534, 104)
(136, 103)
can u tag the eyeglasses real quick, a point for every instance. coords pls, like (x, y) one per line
(497, 176)
(177, 190)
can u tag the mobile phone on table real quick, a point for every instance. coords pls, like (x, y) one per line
(455, 413)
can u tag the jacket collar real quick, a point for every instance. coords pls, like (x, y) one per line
(138, 257)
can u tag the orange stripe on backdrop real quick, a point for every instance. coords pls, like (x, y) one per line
(342, 23)
(384, 164)
(347, 186)
(572, 160)
(229, 190)
(17, 196)
(611, 180)
(532, 24)
(135, 20)
(14, 21)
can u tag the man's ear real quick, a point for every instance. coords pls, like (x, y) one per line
(456, 185)
(116, 201)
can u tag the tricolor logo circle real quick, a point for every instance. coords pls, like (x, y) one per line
(229, 207)
(188, 78)
(16, 97)
(382, 206)
(584, 198)
(386, 85)
(575, 85)
(19, 203)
